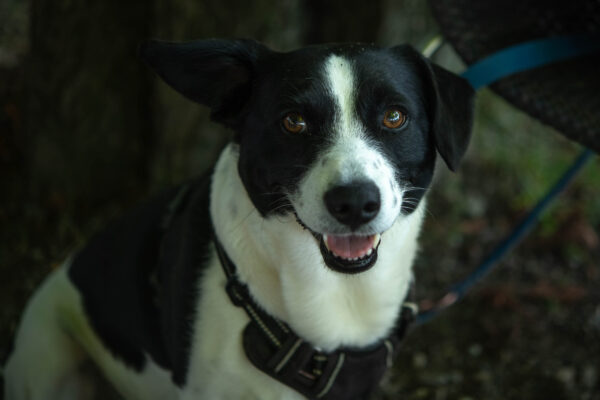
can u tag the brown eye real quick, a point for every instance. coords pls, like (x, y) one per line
(294, 123)
(394, 118)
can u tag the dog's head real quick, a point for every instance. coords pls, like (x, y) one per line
(344, 136)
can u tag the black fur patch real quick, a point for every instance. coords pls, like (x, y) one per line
(139, 281)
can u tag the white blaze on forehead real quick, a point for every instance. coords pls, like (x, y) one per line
(350, 156)
(341, 81)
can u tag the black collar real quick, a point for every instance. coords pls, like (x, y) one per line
(275, 349)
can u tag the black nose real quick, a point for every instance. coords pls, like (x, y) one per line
(353, 204)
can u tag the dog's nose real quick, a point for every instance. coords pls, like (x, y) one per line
(353, 204)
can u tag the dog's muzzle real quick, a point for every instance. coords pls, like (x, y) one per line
(353, 205)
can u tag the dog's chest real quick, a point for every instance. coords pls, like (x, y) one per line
(218, 367)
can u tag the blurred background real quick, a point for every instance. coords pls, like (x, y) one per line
(86, 131)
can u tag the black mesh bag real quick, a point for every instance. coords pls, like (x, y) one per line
(564, 95)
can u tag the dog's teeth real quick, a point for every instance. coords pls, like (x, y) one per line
(369, 252)
(325, 241)
(377, 240)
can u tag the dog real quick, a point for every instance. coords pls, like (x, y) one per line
(283, 272)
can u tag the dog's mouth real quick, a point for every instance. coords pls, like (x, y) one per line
(349, 254)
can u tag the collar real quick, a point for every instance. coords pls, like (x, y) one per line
(275, 349)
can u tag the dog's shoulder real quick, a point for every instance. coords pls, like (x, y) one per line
(138, 277)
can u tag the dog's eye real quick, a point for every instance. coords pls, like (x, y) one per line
(294, 123)
(394, 118)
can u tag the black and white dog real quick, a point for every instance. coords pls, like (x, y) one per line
(283, 273)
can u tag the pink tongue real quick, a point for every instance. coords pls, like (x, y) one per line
(350, 246)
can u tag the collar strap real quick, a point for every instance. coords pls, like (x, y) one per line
(274, 348)
(239, 295)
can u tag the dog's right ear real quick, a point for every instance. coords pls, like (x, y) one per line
(216, 73)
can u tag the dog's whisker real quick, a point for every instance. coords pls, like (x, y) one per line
(279, 207)
(242, 221)
(414, 188)
(415, 202)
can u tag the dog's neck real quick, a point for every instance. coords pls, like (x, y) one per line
(282, 266)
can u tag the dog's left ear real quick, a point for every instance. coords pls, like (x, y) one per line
(449, 106)
(214, 72)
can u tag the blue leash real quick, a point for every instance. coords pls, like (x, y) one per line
(506, 62)
(529, 55)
